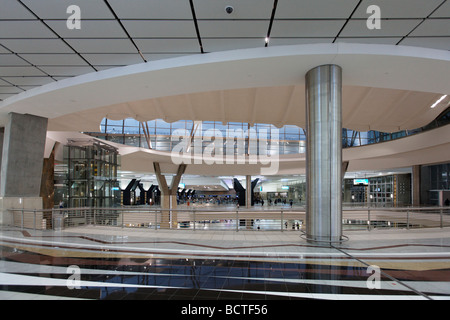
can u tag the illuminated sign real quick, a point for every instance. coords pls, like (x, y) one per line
(360, 181)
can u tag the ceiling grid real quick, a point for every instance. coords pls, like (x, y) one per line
(37, 47)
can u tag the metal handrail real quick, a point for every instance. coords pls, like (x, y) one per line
(129, 216)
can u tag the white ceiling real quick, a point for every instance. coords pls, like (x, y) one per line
(385, 87)
(37, 48)
(364, 108)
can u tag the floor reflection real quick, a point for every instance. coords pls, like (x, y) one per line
(125, 264)
(112, 278)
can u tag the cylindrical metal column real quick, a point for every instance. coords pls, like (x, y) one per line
(324, 154)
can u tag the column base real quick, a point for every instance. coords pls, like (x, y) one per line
(169, 218)
(324, 241)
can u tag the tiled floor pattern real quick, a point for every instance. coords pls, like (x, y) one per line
(113, 263)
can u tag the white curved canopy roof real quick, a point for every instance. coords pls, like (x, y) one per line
(386, 88)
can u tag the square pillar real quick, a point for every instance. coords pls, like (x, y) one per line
(22, 162)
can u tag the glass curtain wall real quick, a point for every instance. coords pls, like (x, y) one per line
(291, 139)
(382, 191)
(131, 132)
(435, 184)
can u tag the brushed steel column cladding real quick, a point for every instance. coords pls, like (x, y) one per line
(324, 154)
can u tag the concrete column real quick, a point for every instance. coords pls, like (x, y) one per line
(22, 161)
(324, 154)
(168, 195)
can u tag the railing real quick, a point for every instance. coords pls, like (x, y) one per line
(280, 219)
(403, 217)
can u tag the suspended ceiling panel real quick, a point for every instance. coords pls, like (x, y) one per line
(117, 33)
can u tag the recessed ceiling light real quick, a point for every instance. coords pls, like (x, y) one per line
(438, 101)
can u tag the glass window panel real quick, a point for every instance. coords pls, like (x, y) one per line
(275, 134)
(163, 146)
(291, 129)
(221, 127)
(151, 123)
(131, 122)
(162, 124)
(117, 139)
(144, 143)
(103, 125)
(237, 132)
(115, 122)
(291, 136)
(179, 125)
(291, 149)
(162, 127)
(114, 129)
(131, 130)
(132, 141)
(189, 124)
(207, 128)
(263, 131)
(208, 133)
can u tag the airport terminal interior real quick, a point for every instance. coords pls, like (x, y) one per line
(225, 150)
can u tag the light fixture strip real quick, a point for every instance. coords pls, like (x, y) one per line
(274, 9)
(438, 101)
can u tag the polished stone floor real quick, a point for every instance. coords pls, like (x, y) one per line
(120, 263)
